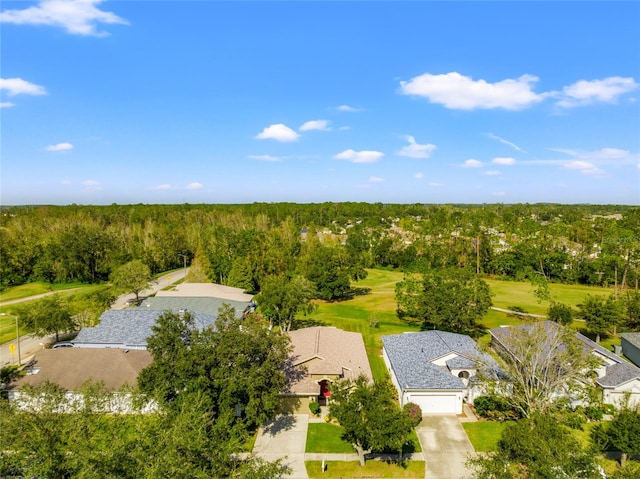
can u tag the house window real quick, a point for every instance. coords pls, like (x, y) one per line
(463, 374)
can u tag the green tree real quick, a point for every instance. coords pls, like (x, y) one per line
(560, 313)
(132, 277)
(601, 315)
(240, 275)
(282, 298)
(371, 419)
(624, 433)
(49, 315)
(200, 269)
(536, 447)
(450, 299)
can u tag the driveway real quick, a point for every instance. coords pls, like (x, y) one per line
(285, 437)
(445, 446)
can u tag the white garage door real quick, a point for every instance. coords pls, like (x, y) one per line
(434, 403)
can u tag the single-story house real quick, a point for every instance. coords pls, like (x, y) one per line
(70, 368)
(128, 329)
(435, 369)
(616, 377)
(320, 356)
(630, 343)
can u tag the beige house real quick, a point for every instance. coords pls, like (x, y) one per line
(321, 355)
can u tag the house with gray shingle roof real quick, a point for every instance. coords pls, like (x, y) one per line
(435, 369)
(630, 343)
(617, 378)
(128, 329)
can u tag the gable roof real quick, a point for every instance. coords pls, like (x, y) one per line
(619, 374)
(632, 338)
(411, 356)
(330, 351)
(206, 305)
(129, 328)
(72, 367)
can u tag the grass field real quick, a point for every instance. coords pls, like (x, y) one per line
(372, 469)
(326, 438)
(32, 289)
(484, 435)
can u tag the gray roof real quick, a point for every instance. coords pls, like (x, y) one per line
(411, 356)
(633, 338)
(196, 304)
(130, 327)
(618, 374)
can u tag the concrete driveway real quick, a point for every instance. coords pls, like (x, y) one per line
(445, 446)
(285, 437)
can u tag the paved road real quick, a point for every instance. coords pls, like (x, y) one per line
(285, 438)
(30, 344)
(445, 446)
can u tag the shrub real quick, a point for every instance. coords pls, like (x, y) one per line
(574, 420)
(494, 407)
(608, 409)
(414, 412)
(594, 413)
(314, 407)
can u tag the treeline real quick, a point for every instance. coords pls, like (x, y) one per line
(327, 242)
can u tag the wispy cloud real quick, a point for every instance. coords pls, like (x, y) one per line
(76, 17)
(458, 92)
(278, 132)
(433, 184)
(18, 86)
(364, 156)
(6, 104)
(503, 161)
(498, 193)
(583, 92)
(348, 108)
(376, 179)
(492, 173)
(584, 167)
(60, 147)
(194, 186)
(322, 125)
(164, 186)
(505, 142)
(471, 163)
(419, 175)
(265, 158)
(345, 127)
(416, 150)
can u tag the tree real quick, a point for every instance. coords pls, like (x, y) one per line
(450, 299)
(601, 315)
(49, 315)
(622, 434)
(536, 447)
(200, 269)
(133, 277)
(282, 298)
(560, 313)
(371, 419)
(540, 360)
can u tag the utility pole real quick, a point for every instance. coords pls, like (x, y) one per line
(184, 257)
(18, 340)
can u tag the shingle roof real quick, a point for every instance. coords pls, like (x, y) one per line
(618, 374)
(411, 356)
(196, 304)
(633, 338)
(72, 367)
(129, 328)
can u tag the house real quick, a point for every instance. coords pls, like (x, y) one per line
(630, 343)
(617, 378)
(128, 329)
(70, 368)
(435, 369)
(320, 356)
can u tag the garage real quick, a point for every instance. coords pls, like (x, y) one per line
(436, 402)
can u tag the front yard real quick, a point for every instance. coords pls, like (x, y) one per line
(377, 469)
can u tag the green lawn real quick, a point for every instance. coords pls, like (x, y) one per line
(31, 289)
(372, 469)
(325, 438)
(484, 435)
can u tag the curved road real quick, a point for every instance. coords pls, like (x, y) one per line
(30, 344)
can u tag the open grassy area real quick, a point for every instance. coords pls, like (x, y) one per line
(31, 289)
(484, 435)
(326, 438)
(377, 469)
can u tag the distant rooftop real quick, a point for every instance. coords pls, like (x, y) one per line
(206, 305)
(633, 338)
(206, 290)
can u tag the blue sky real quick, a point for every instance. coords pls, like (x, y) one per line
(235, 102)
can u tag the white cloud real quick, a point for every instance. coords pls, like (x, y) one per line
(194, 186)
(359, 156)
(503, 161)
(278, 132)
(585, 167)
(264, 158)
(505, 142)
(492, 173)
(322, 125)
(79, 17)
(415, 150)
(586, 92)
(376, 179)
(6, 104)
(471, 163)
(498, 193)
(18, 86)
(433, 184)
(165, 186)
(459, 92)
(91, 183)
(60, 147)
(418, 176)
(348, 108)
(66, 182)
(344, 128)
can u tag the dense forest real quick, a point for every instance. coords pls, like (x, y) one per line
(328, 243)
